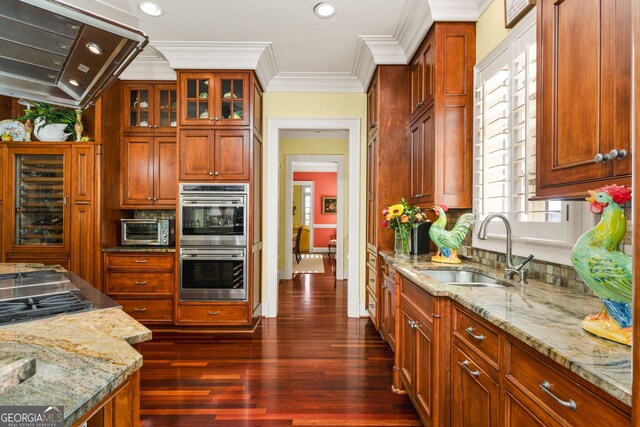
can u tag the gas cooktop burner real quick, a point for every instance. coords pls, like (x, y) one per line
(41, 306)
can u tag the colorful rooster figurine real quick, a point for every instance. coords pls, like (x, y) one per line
(448, 241)
(607, 271)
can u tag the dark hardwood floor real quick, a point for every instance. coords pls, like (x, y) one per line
(312, 366)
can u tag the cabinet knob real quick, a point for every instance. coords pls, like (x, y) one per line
(149, 198)
(601, 158)
(384, 286)
(216, 173)
(210, 173)
(150, 126)
(216, 119)
(155, 198)
(210, 119)
(618, 154)
(372, 306)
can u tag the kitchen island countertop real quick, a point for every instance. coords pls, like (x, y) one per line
(544, 316)
(80, 358)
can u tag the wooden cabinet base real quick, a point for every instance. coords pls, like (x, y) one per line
(121, 408)
(213, 314)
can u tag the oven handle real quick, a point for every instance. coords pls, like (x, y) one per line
(216, 257)
(235, 201)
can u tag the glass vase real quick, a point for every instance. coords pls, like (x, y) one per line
(402, 245)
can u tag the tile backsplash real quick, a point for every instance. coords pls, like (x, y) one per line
(148, 214)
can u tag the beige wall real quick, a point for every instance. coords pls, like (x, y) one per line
(490, 29)
(320, 106)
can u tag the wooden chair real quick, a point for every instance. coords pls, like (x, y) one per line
(333, 242)
(296, 245)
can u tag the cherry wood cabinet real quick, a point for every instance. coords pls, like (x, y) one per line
(441, 139)
(149, 172)
(461, 370)
(216, 98)
(422, 163)
(149, 107)
(50, 205)
(215, 155)
(422, 352)
(143, 283)
(388, 304)
(213, 313)
(422, 70)
(584, 96)
(387, 177)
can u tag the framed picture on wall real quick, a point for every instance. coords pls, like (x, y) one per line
(329, 204)
(516, 9)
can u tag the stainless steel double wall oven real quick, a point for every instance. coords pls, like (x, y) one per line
(213, 225)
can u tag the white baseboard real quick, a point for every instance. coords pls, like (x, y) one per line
(364, 312)
(282, 275)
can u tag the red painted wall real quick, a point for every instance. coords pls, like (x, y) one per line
(324, 184)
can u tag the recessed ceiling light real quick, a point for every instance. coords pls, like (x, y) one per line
(74, 82)
(150, 8)
(324, 10)
(94, 48)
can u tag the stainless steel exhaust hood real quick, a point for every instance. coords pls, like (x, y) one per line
(55, 52)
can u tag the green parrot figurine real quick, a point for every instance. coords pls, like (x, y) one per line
(597, 259)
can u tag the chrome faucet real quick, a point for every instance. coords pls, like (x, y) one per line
(509, 269)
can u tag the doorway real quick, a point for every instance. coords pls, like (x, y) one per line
(272, 210)
(327, 171)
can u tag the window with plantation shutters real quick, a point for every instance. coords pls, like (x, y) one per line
(504, 166)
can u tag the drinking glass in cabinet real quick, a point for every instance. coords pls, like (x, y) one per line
(232, 92)
(167, 108)
(40, 199)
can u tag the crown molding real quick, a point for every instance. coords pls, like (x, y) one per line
(267, 67)
(315, 82)
(364, 64)
(415, 21)
(460, 10)
(212, 55)
(385, 49)
(482, 6)
(148, 69)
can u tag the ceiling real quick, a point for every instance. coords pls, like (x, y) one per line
(289, 47)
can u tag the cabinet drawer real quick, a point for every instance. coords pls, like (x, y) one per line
(212, 314)
(148, 310)
(139, 261)
(422, 301)
(477, 334)
(372, 307)
(371, 280)
(530, 374)
(371, 259)
(139, 283)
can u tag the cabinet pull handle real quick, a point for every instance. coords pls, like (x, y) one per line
(214, 313)
(546, 387)
(81, 202)
(66, 200)
(618, 154)
(372, 306)
(465, 366)
(413, 325)
(601, 158)
(139, 310)
(144, 282)
(469, 330)
(140, 261)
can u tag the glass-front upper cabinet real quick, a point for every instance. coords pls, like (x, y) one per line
(41, 202)
(217, 98)
(150, 107)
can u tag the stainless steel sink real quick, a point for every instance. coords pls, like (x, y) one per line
(462, 278)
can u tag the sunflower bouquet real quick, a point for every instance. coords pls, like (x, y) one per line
(401, 218)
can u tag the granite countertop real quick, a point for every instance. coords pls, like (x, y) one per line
(544, 316)
(79, 358)
(161, 249)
